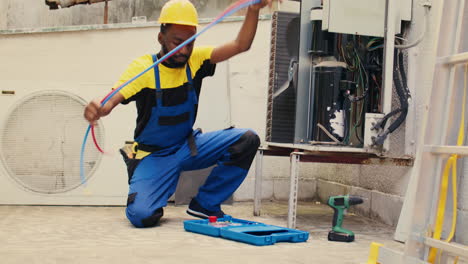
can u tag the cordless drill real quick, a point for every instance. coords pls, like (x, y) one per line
(340, 204)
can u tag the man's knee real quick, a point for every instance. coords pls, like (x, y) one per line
(143, 217)
(243, 150)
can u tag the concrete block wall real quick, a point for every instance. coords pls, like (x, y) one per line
(381, 187)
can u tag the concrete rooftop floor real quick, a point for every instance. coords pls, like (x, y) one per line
(66, 234)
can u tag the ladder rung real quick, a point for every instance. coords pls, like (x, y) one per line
(454, 59)
(454, 248)
(459, 150)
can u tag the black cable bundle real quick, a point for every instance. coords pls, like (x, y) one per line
(401, 86)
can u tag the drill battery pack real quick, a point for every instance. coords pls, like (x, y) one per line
(340, 237)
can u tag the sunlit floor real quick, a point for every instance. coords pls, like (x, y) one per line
(57, 234)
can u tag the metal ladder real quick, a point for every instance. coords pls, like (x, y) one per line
(436, 140)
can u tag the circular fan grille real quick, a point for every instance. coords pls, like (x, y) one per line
(41, 142)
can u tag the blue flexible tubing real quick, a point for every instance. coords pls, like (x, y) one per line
(163, 58)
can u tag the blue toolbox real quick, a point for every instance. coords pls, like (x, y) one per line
(250, 232)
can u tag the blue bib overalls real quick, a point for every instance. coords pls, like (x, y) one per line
(155, 178)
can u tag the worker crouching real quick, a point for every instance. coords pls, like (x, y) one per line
(166, 98)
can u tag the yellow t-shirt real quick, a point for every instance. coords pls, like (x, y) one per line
(173, 83)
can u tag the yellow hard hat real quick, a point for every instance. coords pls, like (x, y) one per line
(180, 12)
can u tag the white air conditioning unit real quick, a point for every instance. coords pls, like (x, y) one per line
(41, 136)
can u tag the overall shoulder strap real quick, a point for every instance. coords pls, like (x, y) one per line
(156, 73)
(189, 73)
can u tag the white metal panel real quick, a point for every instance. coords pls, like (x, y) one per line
(325, 14)
(316, 14)
(363, 17)
(406, 7)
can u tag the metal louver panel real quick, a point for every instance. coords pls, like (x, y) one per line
(281, 94)
(41, 142)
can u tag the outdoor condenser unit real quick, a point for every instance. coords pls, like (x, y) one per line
(343, 74)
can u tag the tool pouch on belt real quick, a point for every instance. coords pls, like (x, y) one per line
(130, 150)
(128, 155)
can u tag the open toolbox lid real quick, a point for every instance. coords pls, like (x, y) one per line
(250, 232)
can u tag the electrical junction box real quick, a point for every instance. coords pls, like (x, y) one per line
(361, 17)
(370, 132)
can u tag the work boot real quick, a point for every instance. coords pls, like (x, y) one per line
(195, 209)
